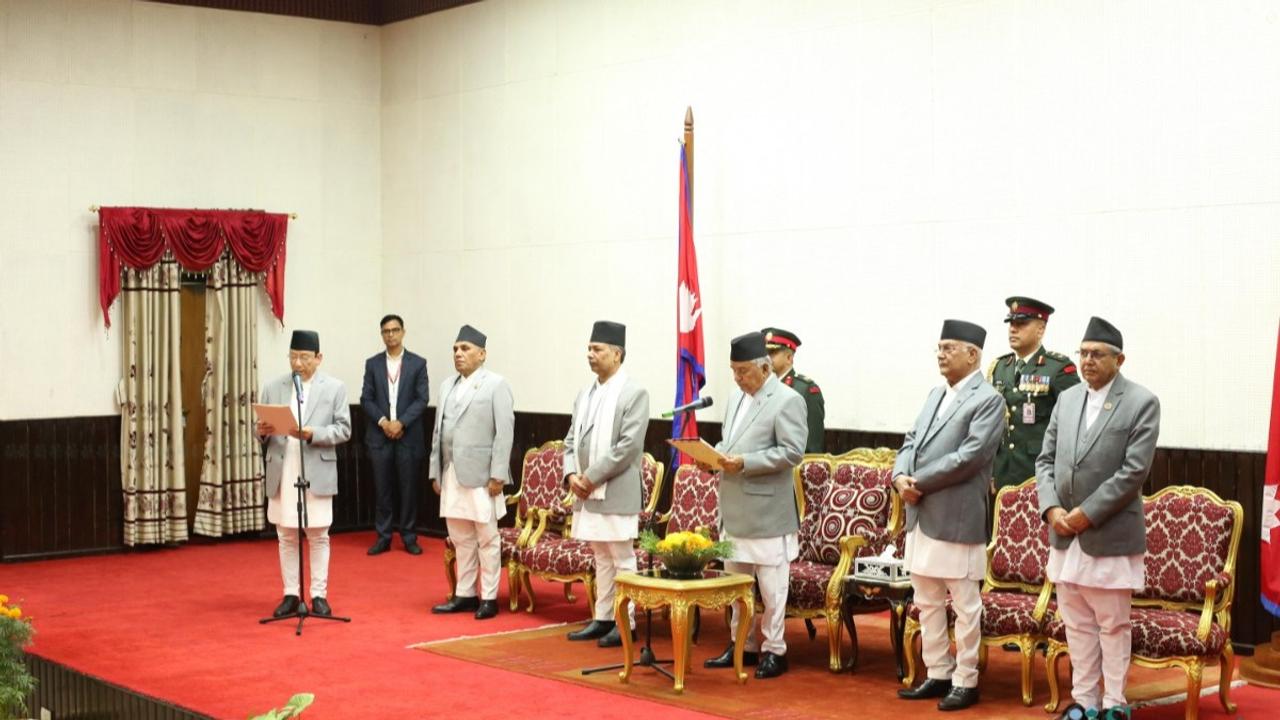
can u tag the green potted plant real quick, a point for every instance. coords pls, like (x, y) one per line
(293, 708)
(16, 682)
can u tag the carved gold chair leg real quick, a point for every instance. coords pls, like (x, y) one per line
(982, 657)
(451, 571)
(835, 632)
(1053, 653)
(1195, 677)
(526, 579)
(589, 582)
(1226, 673)
(1027, 649)
(909, 635)
(513, 584)
(568, 592)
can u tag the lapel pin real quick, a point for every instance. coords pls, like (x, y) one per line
(1107, 406)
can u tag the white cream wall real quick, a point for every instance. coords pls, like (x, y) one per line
(110, 102)
(898, 161)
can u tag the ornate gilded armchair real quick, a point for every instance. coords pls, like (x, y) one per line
(847, 509)
(1182, 618)
(1016, 594)
(565, 559)
(541, 488)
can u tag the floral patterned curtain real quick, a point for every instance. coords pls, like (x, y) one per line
(150, 397)
(231, 497)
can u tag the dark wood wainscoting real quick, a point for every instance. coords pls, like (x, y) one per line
(60, 489)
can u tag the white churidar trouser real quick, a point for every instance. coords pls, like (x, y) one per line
(773, 582)
(611, 558)
(318, 543)
(935, 645)
(479, 550)
(1099, 633)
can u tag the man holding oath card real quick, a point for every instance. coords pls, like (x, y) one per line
(324, 424)
(765, 430)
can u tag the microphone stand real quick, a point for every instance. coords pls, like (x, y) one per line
(302, 485)
(647, 658)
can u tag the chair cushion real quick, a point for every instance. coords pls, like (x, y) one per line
(808, 585)
(851, 473)
(841, 511)
(1021, 548)
(1160, 633)
(1167, 633)
(1008, 613)
(558, 556)
(1188, 538)
(508, 537)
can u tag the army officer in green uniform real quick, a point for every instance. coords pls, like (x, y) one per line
(1030, 379)
(782, 346)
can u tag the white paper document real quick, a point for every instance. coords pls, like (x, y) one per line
(699, 450)
(279, 417)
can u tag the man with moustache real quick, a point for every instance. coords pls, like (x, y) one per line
(1097, 454)
(942, 473)
(394, 397)
(765, 430)
(470, 463)
(602, 463)
(325, 423)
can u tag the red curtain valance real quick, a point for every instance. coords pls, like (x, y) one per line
(138, 238)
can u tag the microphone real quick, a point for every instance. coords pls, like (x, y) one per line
(698, 404)
(297, 384)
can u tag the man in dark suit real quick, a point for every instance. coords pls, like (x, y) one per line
(1097, 453)
(394, 398)
(942, 473)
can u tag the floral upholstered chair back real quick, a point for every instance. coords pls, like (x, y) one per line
(1019, 549)
(695, 501)
(1192, 537)
(543, 484)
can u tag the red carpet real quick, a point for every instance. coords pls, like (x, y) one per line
(182, 625)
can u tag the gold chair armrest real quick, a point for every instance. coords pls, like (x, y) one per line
(849, 545)
(1206, 612)
(1042, 601)
(532, 535)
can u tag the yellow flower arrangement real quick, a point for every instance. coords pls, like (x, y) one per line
(684, 553)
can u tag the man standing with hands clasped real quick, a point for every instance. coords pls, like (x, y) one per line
(942, 473)
(603, 458)
(470, 463)
(1097, 453)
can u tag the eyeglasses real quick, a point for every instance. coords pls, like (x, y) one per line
(1094, 354)
(392, 331)
(303, 357)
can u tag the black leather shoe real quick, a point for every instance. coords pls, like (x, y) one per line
(487, 608)
(959, 699)
(457, 604)
(614, 638)
(320, 606)
(926, 690)
(725, 659)
(411, 547)
(288, 605)
(593, 631)
(383, 545)
(771, 665)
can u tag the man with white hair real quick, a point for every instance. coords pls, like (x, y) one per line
(765, 430)
(942, 473)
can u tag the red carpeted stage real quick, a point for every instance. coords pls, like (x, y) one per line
(182, 625)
